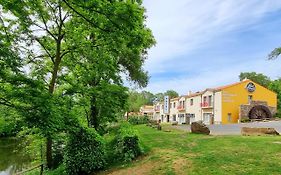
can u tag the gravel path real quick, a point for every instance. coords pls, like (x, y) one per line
(235, 129)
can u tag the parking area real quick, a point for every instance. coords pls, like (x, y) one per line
(235, 129)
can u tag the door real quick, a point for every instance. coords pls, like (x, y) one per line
(206, 118)
(187, 119)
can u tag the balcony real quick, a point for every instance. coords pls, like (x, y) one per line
(181, 108)
(206, 105)
(157, 109)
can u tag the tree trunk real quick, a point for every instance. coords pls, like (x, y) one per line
(49, 151)
(94, 113)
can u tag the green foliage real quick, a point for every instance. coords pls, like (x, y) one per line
(126, 145)
(256, 77)
(84, 152)
(58, 149)
(75, 53)
(33, 144)
(274, 54)
(10, 122)
(276, 87)
(171, 93)
(136, 100)
(136, 120)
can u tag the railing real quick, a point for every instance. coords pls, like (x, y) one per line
(157, 109)
(180, 107)
(41, 166)
(206, 105)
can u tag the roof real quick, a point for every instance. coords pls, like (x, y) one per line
(230, 85)
(194, 94)
(147, 107)
(176, 98)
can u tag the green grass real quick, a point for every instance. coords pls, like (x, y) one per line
(179, 152)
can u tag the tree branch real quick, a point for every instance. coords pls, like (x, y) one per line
(46, 50)
(82, 16)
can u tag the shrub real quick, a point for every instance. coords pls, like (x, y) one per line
(84, 152)
(9, 126)
(58, 149)
(126, 143)
(135, 120)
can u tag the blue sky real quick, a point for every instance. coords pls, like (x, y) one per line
(203, 44)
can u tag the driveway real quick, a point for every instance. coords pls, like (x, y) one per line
(235, 129)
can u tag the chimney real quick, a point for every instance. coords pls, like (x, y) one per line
(189, 93)
(245, 79)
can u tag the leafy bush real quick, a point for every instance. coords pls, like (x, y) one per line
(9, 126)
(84, 152)
(126, 144)
(58, 149)
(136, 120)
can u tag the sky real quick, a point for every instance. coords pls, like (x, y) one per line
(203, 44)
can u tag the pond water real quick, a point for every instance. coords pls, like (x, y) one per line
(12, 157)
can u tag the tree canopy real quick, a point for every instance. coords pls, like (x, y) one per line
(60, 58)
(256, 77)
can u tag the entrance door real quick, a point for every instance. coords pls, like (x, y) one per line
(187, 119)
(168, 118)
(207, 118)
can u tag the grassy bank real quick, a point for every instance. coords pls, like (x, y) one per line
(178, 152)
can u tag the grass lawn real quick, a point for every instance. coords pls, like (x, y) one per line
(179, 152)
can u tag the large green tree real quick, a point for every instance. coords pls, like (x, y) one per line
(256, 77)
(171, 93)
(276, 87)
(68, 51)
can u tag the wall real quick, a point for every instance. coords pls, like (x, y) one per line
(218, 107)
(236, 95)
(195, 108)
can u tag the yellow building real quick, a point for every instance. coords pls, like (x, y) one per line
(226, 104)
(246, 100)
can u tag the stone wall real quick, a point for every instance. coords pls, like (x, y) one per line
(245, 109)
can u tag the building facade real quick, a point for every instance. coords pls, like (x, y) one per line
(222, 105)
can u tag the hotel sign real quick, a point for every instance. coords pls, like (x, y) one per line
(166, 104)
(251, 87)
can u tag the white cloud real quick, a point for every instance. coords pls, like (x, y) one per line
(185, 26)
(218, 77)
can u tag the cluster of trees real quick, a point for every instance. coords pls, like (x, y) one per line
(137, 99)
(274, 85)
(61, 62)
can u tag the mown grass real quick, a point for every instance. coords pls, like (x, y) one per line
(179, 152)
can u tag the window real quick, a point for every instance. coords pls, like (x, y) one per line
(210, 100)
(229, 118)
(204, 99)
(191, 102)
(174, 117)
(183, 104)
(250, 98)
(174, 104)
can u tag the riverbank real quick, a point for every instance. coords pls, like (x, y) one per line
(12, 156)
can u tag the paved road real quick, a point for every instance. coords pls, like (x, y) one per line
(235, 129)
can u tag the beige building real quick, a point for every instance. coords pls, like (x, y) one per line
(147, 110)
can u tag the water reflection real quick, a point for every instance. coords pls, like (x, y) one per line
(12, 157)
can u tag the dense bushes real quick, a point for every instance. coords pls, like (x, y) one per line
(126, 144)
(84, 152)
(10, 123)
(135, 120)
